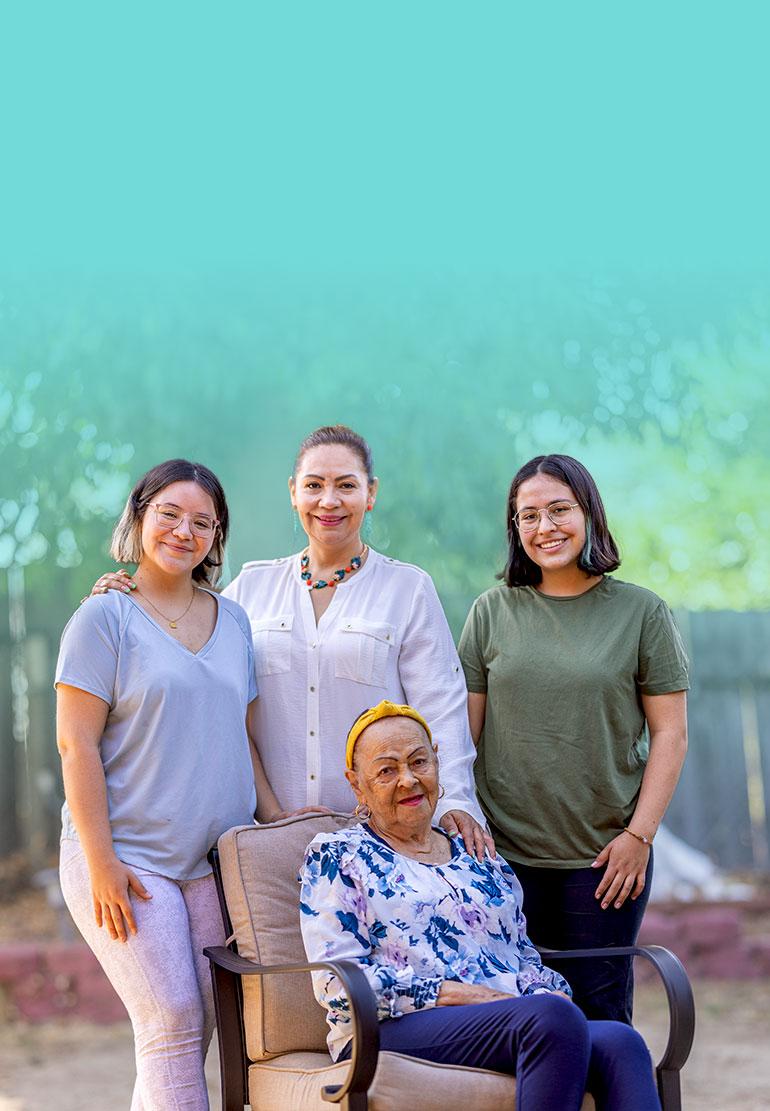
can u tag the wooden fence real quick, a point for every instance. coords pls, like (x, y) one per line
(30, 777)
(722, 803)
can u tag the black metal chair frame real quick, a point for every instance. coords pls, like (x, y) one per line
(227, 968)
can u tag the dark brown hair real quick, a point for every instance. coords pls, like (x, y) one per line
(338, 434)
(600, 552)
(126, 544)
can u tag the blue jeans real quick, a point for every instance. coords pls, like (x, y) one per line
(555, 1053)
(562, 912)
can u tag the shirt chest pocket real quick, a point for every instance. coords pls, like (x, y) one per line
(362, 650)
(272, 644)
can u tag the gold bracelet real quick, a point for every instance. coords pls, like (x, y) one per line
(638, 836)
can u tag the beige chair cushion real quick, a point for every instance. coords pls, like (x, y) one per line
(260, 867)
(400, 1082)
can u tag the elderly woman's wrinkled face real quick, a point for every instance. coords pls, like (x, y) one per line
(395, 774)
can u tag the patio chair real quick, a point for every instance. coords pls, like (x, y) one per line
(272, 1031)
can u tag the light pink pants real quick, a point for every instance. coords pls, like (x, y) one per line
(161, 976)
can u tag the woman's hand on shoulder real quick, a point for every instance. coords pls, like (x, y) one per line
(477, 839)
(113, 580)
(626, 859)
(111, 884)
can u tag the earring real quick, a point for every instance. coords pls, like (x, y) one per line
(442, 791)
(368, 522)
(296, 522)
(359, 813)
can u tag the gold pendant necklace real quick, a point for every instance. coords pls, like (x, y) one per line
(172, 622)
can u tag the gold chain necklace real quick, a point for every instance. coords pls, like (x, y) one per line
(172, 622)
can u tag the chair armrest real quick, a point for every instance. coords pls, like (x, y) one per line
(363, 1011)
(681, 1006)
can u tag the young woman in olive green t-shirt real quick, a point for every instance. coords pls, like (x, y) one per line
(565, 667)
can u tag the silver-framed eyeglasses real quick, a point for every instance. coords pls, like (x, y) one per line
(560, 512)
(170, 516)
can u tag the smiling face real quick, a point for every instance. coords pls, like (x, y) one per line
(331, 492)
(554, 548)
(179, 550)
(395, 774)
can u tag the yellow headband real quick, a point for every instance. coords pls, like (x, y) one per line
(383, 710)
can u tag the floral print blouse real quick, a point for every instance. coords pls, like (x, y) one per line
(410, 926)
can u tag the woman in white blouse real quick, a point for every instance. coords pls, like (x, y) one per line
(336, 629)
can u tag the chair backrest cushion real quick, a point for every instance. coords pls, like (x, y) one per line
(260, 867)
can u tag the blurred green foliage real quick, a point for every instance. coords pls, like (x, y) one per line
(473, 232)
(454, 381)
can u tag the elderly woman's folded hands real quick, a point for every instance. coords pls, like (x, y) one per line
(453, 993)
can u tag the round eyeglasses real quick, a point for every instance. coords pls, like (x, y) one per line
(560, 512)
(170, 516)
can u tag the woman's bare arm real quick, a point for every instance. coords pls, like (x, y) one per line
(626, 856)
(80, 720)
(477, 711)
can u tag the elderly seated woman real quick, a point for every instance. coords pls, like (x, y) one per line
(442, 940)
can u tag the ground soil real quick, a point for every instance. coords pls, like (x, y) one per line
(75, 1066)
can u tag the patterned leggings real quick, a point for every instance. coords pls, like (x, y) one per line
(161, 976)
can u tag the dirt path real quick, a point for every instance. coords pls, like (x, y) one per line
(73, 1066)
(80, 1067)
(729, 1066)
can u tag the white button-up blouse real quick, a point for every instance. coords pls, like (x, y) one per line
(384, 635)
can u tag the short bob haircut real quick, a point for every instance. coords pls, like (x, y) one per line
(126, 544)
(600, 552)
(338, 435)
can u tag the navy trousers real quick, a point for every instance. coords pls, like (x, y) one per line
(562, 912)
(555, 1053)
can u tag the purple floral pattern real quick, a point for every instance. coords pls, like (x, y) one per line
(410, 926)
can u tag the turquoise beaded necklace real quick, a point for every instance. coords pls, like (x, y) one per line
(337, 577)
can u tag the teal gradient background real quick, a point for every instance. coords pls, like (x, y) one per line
(475, 232)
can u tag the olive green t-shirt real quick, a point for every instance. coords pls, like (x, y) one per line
(563, 749)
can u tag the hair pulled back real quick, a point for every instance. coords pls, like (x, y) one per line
(337, 435)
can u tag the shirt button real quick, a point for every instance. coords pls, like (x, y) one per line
(312, 646)
(283, 624)
(312, 732)
(312, 688)
(312, 777)
(387, 636)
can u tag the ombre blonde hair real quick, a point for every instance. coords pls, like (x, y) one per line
(126, 546)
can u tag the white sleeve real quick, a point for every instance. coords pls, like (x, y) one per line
(434, 684)
(234, 589)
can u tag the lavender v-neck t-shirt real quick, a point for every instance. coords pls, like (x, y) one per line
(174, 749)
